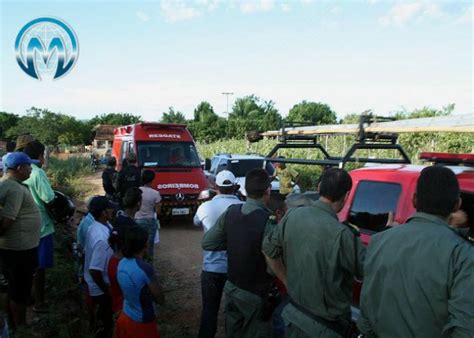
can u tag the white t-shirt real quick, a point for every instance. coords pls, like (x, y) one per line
(208, 212)
(150, 198)
(207, 215)
(97, 255)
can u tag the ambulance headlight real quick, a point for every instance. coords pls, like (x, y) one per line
(204, 195)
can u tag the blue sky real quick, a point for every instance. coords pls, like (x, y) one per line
(143, 57)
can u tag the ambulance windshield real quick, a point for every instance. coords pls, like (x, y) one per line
(168, 154)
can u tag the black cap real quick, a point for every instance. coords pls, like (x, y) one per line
(101, 203)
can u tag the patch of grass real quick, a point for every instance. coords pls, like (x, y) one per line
(60, 171)
(68, 316)
(67, 176)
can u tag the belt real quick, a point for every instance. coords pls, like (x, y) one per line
(336, 326)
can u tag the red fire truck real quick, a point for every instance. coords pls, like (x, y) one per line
(169, 150)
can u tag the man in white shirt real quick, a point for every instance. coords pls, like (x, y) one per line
(214, 270)
(97, 255)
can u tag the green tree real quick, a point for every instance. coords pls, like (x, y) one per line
(173, 116)
(207, 126)
(204, 112)
(425, 112)
(7, 121)
(272, 119)
(48, 127)
(237, 127)
(249, 113)
(350, 119)
(312, 112)
(119, 119)
(244, 106)
(208, 132)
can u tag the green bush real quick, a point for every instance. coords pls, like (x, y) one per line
(66, 174)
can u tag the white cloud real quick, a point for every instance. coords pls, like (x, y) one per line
(432, 11)
(285, 7)
(402, 12)
(208, 5)
(468, 16)
(142, 16)
(267, 4)
(252, 6)
(247, 7)
(178, 10)
(335, 10)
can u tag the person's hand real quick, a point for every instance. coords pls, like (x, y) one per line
(391, 220)
(458, 219)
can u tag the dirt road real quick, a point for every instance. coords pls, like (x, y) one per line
(178, 261)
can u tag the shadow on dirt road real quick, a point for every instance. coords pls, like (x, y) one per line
(178, 260)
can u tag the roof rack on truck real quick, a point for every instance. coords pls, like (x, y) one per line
(456, 123)
(365, 141)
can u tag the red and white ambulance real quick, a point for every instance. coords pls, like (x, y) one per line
(169, 150)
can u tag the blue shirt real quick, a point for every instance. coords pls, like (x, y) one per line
(133, 276)
(207, 215)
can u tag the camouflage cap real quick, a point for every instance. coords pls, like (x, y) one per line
(22, 141)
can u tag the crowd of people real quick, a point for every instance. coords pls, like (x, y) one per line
(291, 264)
(116, 241)
(26, 229)
(284, 263)
(117, 237)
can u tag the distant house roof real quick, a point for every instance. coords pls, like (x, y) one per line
(104, 132)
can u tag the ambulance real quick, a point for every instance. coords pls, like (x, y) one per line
(169, 150)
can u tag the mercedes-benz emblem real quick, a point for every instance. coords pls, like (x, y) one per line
(180, 196)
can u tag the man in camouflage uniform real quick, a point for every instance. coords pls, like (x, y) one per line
(318, 257)
(419, 276)
(240, 231)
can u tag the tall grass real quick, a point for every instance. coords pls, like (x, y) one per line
(338, 145)
(67, 175)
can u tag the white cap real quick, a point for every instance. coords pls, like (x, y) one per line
(225, 179)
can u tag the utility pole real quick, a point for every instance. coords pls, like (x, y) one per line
(227, 94)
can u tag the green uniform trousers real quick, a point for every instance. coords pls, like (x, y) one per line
(243, 314)
(300, 325)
